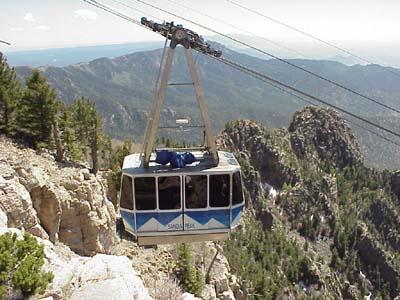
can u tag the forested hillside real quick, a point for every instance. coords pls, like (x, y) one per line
(123, 86)
(320, 224)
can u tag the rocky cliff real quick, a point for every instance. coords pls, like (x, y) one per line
(56, 201)
(69, 211)
(66, 208)
(318, 222)
(308, 184)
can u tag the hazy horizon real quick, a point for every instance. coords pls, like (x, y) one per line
(366, 27)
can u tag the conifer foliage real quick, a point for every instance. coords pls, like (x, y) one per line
(37, 110)
(191, 278)
(9, 95)
(40, 119)
(87, 125)
(21, 262)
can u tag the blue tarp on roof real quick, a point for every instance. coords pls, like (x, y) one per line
(176, 159)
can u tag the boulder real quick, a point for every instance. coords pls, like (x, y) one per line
(16, 203)
(55, 200)
(107, 277)
(227, 295)
(209, 293)
(221, 285)
(90, 278)
(3, 219)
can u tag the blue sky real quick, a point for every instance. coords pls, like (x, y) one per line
(32, 24)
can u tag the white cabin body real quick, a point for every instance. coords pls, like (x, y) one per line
(160, 204)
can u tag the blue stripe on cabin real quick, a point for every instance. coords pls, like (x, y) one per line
(203, 217)
(162, 218)
(236, 211)
(129, 218)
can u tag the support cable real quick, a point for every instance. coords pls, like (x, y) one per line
(137, 9)
(274, 56)
(236, 27)
(341, 49)
(303, 99)
(263, 77)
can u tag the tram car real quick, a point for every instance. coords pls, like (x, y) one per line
(162, 204)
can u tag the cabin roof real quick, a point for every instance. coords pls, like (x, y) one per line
(133, 164)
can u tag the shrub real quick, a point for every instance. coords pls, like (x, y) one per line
(21, 262)
(190, 278)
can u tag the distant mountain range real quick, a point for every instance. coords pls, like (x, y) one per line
(302, 49)
(123, 86)
(61, 57)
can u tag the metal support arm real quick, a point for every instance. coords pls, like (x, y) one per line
(155, 117)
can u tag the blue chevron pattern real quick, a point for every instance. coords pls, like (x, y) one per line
(236, 211)
(161, 217)
(129, 218)
(203, 217)
(164, 218)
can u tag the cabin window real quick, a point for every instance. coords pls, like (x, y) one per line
(126, 193)
(237, 192)
(145, 193)
(219, 190)
(169, 192)
(196, 191)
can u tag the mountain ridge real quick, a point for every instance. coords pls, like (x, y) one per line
(121, 88)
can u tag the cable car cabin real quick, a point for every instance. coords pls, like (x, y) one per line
(161, 205)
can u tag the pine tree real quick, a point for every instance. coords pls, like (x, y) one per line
(191, 278)
(87, 125)
(36, 111)
(21, 261)
(117, 160)
(10, 93)
(68, 136)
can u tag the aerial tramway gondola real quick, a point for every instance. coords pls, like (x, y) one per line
(180, 195)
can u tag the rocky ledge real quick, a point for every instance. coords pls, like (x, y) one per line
(55, 201)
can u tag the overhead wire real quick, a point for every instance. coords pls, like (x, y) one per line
(235, 27)
(298, 91)
(262, 77)
(274, 56)
(312, 103)
(341, 49)
(137, 9)
(114, 12)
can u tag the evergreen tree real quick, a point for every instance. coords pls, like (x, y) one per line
(68, 136)
(117, 160)
(21, 262)
(87, 125)
(36, 111)
(9, 95)
(191, 278)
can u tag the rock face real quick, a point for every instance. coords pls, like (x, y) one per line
(55, 201)
(261, 148)
(16, 203)
(308, 179)
(320, 134)
(91, 278)
(372, 253)
(269, 161)
(107, 277)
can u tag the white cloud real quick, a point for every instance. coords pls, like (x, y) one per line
(16, 29)
(85, 14)
(29, 17)
(42, 27)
